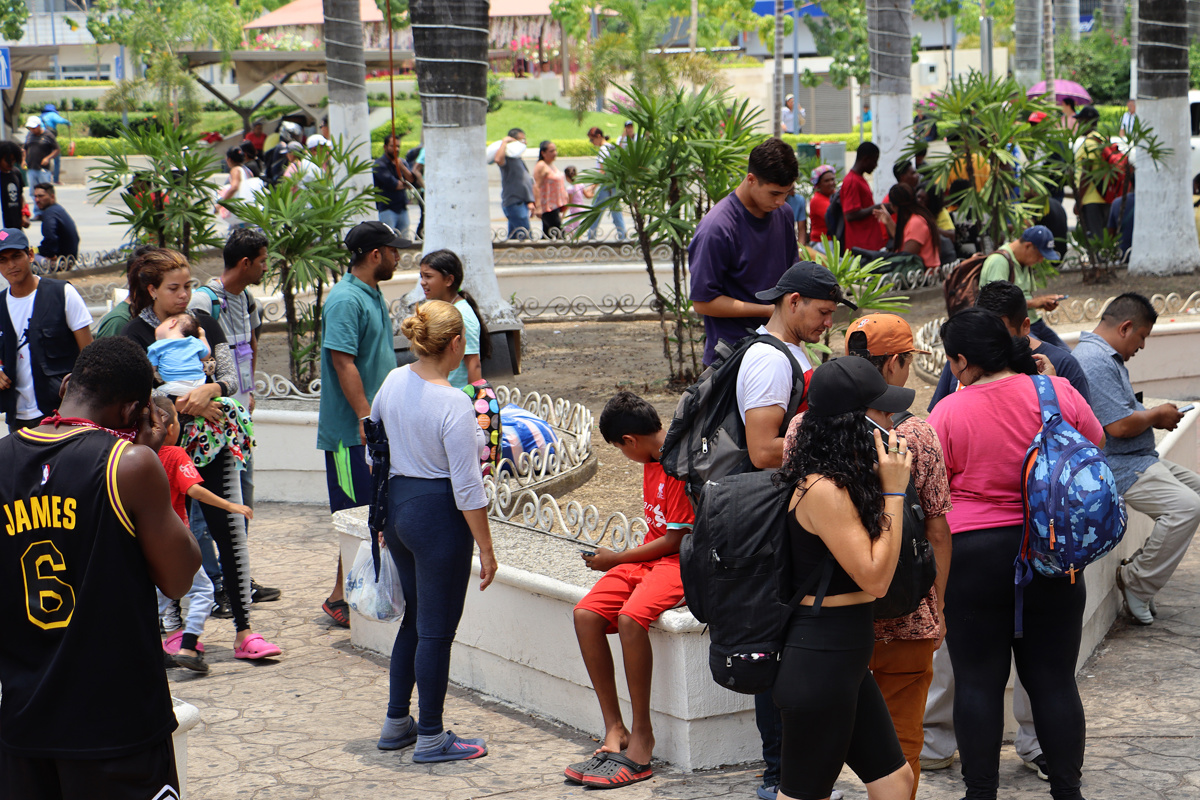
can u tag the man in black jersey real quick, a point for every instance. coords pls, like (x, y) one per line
(89, 532)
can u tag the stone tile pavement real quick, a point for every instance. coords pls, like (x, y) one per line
(304, 726)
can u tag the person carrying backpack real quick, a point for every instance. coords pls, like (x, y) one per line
(986, 430)
(845, 520)
(902, 662)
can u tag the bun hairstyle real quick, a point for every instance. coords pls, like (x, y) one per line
(981, 337)
(236, 155)
(432, 327)
(447, 262)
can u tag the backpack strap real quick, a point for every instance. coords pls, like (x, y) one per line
(216, 304)
(819, 578)
(1047, 397)
(797, 377)
(1012, 265)
(1023, 565)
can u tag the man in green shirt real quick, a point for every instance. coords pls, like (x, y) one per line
(1013, 262)
(356, 355)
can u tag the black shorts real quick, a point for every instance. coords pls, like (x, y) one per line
(145, 775)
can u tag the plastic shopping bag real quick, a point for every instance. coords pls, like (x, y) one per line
(381, 600)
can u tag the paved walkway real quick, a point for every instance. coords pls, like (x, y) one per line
(305, 726)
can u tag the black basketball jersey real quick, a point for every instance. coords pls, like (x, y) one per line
(81, 666)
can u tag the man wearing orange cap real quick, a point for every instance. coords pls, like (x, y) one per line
(903, 659)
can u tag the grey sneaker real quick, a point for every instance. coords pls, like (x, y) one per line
(933, 764)
(1138, 609)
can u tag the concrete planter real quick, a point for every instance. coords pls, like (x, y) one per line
(188, 717)
(697, 724)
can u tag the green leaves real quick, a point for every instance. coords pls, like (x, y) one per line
(170, 204)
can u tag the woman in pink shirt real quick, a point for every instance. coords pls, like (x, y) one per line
(549, 190)
(985, 430)
(918, 228)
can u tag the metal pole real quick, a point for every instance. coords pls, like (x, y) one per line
(1134, 11)
(595, 34)
(986, 65)
(124, 69)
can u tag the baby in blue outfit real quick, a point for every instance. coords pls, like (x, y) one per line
(178, 354)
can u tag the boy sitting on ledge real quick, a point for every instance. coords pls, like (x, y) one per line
(637, 587)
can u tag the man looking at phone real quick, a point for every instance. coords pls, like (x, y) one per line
(1016, 259)
(1166, 492)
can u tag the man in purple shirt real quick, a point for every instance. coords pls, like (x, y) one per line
(743, 245)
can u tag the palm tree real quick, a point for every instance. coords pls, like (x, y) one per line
(1112, 14)
(450, 38)
(348, 109)
(1164, 237)
(777, 91)
(1066, 18)
(889, 41)
(1027, 66)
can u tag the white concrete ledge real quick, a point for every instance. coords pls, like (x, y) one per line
(187, 716)
(1168, 366)
(516, 642)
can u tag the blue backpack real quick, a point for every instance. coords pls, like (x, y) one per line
(1073, 511)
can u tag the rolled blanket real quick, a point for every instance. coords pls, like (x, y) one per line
(203, 440)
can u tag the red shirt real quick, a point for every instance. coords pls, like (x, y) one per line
(816, 217)
(181, 474)
(856, 195)
(256, 139)
(666, 504)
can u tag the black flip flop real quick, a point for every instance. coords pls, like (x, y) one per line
(575, 771)
(617, 770)
(195, 663)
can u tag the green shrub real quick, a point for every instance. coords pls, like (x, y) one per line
(102, 125)
(404, 126)
(851, 139)
(91, 146)
(495, 93)
(1099, 61)
(65, 83)
(574, 148)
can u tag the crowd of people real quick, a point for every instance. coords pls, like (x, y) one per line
(149, 430)
(36, 164)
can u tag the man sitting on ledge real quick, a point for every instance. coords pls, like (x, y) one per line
(1167, 493)
(637, 587)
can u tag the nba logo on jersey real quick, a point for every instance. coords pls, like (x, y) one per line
(45, 473)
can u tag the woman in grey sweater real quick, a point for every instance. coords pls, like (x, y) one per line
(437, 513)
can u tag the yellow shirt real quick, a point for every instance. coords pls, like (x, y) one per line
(944, 222)
(1089, 151)
(982, 171)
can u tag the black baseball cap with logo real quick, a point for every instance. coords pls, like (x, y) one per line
(808, 279)
(367, 236)
(851, 383)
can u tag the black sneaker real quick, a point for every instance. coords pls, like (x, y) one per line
(1038, 765)
(262, 594)
(221, 608)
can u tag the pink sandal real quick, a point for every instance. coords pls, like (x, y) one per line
(255, 647)
(172, 642)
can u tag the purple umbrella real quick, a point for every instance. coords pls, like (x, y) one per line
(1062, 91)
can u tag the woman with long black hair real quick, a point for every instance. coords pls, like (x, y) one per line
(549, 190)
(441, 279)
(915, 230)
(985, 430)
(845, 527)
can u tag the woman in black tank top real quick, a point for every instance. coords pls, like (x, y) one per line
(845, 525)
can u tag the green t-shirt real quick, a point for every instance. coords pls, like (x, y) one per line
(459, 378)
(995, 268)
(112, 323)
(356, 321)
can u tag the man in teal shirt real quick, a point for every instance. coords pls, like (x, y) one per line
(356, 356)
(1013, 262)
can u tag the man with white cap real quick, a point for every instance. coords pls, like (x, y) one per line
(40, 149)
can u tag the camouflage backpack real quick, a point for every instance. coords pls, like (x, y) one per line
(1073, 511)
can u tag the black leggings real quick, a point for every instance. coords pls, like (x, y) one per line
(833, 713)
(228, 530)
(979, 617)
(552, 223)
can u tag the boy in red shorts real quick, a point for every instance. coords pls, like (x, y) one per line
(637, 587)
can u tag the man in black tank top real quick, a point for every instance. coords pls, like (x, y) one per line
(89, 532)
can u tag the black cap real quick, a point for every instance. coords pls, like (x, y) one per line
(368, 236)
(851, 383)
(809, 280)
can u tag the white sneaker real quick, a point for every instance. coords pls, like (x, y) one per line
(937, 763)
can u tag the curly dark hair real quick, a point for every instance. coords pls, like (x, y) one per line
(112, 370)
(842, 450)
(773, 161)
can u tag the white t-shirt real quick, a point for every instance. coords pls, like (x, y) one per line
(20, 309)
(765, 378)
(603, 154)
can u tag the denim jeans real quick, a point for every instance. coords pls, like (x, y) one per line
(617, 217)
(770, 729)
(518, 220)
(431, 544)
(397, 219)
(208, 549)
(57, 166)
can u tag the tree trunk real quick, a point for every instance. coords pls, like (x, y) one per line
(1066, 19)
(1164, 236)
(1193, 20)
(693, 25)
(450, 38)
(1027, 29)
(348, 109)
(777, 91)
(889, 38)
(1048, 47)
(1112, 14)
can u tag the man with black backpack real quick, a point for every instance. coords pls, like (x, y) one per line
(803, 301)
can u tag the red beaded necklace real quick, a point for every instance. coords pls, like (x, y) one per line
(56, 419)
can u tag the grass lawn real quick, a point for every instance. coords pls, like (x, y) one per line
(538, 120)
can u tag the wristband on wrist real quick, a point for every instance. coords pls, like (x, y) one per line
(894, 494)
